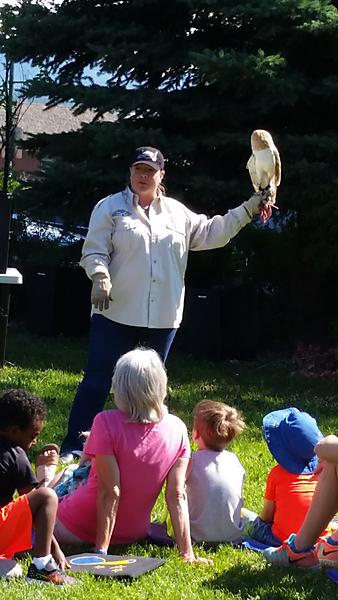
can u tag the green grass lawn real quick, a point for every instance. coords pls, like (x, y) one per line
(51, 368)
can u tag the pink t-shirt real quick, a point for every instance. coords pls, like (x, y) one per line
(145, 453)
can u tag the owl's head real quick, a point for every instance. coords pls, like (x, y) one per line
(261, 139)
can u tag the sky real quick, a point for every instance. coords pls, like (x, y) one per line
(25, 71)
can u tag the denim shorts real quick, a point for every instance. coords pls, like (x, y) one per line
(258, 530)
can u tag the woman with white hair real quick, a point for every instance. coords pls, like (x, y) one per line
(135, 449)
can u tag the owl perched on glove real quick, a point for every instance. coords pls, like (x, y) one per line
(264, 167)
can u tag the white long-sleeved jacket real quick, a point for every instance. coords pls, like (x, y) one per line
(146, 256)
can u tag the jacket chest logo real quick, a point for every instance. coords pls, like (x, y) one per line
(121, 212)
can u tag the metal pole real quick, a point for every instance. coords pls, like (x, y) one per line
(5, 224)
(6, 208)
(4, 311)
(9, 137)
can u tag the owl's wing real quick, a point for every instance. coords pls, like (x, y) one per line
(278, 166)
(251, 166)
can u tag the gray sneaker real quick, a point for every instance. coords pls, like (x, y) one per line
(9, 568)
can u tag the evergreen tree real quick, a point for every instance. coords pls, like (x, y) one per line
(195, 78)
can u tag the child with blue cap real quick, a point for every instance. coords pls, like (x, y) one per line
(291, 436)
(301, 550)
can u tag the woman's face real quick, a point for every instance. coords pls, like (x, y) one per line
(144, 180)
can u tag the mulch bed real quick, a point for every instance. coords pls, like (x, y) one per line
(316, 361)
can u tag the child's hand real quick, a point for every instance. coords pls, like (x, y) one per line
(59, 556)
(61, 560)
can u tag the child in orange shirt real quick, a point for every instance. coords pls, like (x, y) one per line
(300, 549)
(291, 436)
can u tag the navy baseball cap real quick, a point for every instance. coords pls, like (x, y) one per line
(291, 436)
(148, 155)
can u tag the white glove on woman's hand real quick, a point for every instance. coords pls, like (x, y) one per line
(101, 289)
(254, 204)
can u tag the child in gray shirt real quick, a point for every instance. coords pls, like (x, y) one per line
(214, 483)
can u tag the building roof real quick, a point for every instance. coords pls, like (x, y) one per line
(35, 118)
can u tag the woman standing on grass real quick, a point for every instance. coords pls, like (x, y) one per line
(135, 449)
(136, 253)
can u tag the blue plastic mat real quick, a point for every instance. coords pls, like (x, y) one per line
(253, 545)
(332, 574)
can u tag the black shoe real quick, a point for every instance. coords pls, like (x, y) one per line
(50, 574)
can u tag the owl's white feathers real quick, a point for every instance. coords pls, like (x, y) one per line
(264, 164)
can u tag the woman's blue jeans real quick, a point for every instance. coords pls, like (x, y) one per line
(108, 340)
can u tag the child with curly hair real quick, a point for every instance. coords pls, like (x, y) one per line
(22, 418)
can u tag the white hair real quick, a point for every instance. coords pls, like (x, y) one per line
(140, 385)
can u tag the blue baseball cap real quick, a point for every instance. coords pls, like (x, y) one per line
(291, 436)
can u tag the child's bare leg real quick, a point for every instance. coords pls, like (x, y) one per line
(46, 464)
(323, 507)
(57, 478)
(43, 503)
(83, 458)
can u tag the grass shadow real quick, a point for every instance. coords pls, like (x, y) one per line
(269, 583)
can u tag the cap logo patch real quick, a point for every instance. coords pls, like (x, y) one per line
(147, 154)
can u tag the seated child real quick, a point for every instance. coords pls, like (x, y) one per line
(215, 479)
(299, 550)
(291, 436)
(21, 421)
(71, 477)
(75, 474)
